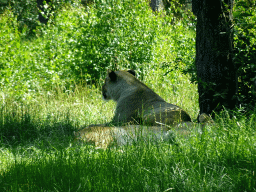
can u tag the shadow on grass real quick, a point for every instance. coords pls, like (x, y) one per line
(20, 127)
(82, 169)
(220, 159)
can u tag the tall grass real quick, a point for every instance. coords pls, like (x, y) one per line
(37, 153)
(38, 116)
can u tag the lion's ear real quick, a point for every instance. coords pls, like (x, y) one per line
(132, 72)
(112, 75)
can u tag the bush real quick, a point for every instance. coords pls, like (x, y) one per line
(245, 51)
(179, 10)
(83, 42)
(26, 13)
(113, 34)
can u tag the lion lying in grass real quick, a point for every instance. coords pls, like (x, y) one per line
(139, 112)
(104, 136)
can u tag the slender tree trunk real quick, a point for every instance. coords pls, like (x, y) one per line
(217, 80)
(40, 5)
(156, 4)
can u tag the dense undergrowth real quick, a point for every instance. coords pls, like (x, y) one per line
(80, 43)
(50, 87)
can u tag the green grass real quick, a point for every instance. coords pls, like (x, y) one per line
(41, 106)
(37, 153)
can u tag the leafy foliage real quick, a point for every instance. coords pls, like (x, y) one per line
(81, 42)
(26, 13)
(245, 50)
(111, 36)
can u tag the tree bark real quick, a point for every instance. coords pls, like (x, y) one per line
(216, 72)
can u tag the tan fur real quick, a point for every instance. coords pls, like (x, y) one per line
(138, 103)
(99, 136)
(104, 136)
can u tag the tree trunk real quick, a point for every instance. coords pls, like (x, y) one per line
(216, 72)
(40, 5)
(156, 5)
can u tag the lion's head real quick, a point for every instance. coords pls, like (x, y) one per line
(116, 82)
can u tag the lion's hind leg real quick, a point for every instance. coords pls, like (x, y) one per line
(100, 136)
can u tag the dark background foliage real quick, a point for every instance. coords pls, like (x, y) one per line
(245, 50)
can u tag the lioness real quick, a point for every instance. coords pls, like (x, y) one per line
(137, 103)
(102, 136)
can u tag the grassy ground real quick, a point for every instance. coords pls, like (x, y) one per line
(37, 122)
(37, 153)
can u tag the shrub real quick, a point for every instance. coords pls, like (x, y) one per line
(83, 42)
(245, 51)
(113, 34)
